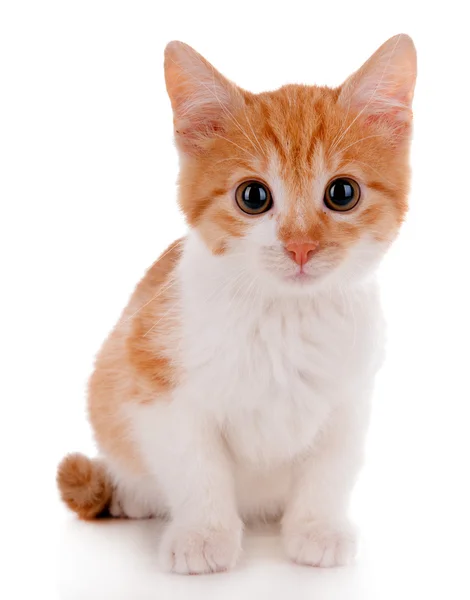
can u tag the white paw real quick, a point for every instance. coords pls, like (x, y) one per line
(191, 551)
(126, 506)
(320, 544)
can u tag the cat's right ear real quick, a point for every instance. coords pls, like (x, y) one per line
(201, 98)
(383, 87)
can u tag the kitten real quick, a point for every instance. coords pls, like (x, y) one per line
(236, 385)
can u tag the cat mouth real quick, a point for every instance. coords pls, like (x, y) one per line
(302, 277)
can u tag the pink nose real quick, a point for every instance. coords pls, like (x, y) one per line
(302, 253)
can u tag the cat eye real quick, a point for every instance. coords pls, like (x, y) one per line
(342, 194)
(253, 197)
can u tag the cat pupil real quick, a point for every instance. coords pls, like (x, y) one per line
(254, 196)
(341, 192)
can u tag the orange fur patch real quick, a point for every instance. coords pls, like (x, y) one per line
(134, 364)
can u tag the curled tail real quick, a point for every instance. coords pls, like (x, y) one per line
(84, 485)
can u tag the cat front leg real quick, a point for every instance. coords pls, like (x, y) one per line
(315, 526)
(190, 462)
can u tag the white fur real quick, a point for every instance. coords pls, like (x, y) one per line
(270, 418)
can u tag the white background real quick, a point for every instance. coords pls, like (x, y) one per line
(87, 173)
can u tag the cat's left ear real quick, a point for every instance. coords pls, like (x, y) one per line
(384, 85)
(202, 99)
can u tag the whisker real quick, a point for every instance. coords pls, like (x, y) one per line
(235, 144)
(360, 162)
(166, 313)
(254, 134)
(160, 290)
(358, 141)
(164, 288)
(231, 116)
(233, 158)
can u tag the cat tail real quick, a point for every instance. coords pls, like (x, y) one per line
(84, 485)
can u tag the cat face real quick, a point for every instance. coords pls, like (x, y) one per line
(300, 186)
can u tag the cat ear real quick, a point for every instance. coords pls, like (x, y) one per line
(384, 85)
(200, 97)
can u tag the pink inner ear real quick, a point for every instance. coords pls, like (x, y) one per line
(198, 116)
(382, 89)
(191, 135)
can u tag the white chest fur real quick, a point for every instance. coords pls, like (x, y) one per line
(271, 370)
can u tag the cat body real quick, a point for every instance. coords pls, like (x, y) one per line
(268, 375)
(236, 385)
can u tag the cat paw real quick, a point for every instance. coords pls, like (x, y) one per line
(193, 551)
(320, 544)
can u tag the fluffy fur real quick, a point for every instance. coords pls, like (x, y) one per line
(236, 385)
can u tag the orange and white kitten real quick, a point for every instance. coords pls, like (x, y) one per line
(237, 383)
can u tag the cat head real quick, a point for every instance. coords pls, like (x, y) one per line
(303, 185)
